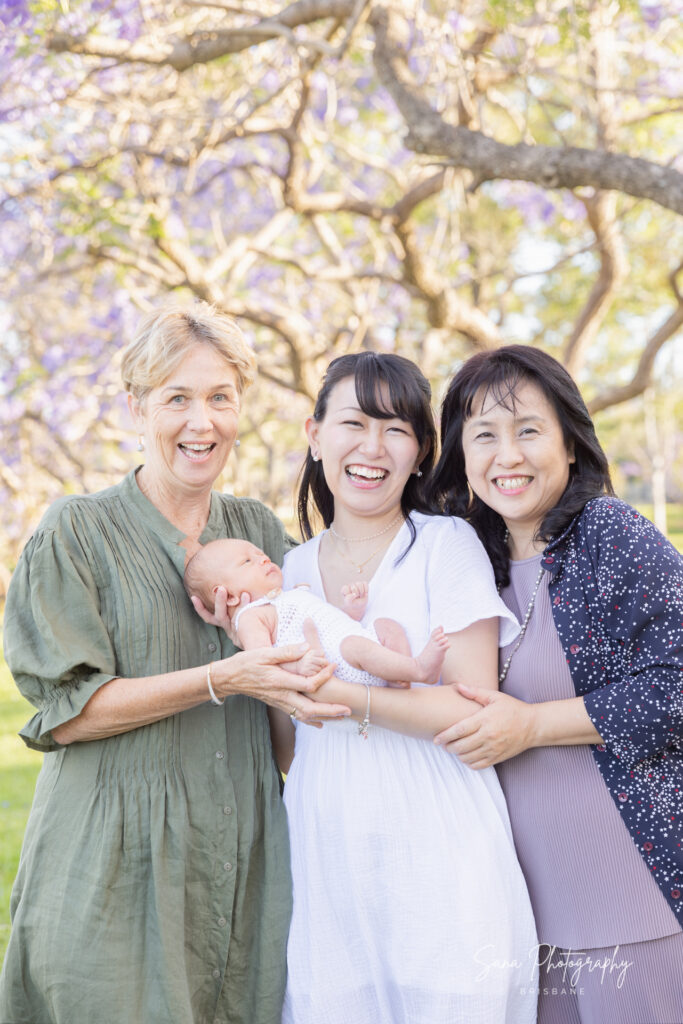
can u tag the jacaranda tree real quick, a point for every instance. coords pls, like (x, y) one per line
(338, 174)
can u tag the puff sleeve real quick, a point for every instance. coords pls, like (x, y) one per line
(56, 643)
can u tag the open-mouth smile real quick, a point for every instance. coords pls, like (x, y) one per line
(196, 452)
(365, 474)
(512, 483)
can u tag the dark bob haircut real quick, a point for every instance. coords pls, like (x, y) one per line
(408, 397)
(498, 375)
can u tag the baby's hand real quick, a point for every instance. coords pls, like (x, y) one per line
(310, 664)
(355, 597)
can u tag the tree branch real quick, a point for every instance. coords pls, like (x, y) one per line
(202, 47)
(445, 309)
(613, 270)
(642, 377)
(547, 166)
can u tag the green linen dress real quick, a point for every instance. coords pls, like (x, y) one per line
(154, 883)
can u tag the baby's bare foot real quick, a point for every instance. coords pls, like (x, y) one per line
(355, 597)
(430, 660)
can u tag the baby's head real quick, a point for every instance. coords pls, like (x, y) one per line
(236, 565)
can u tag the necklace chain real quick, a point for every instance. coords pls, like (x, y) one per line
(372, 536)
(525, 622)
(359, 566)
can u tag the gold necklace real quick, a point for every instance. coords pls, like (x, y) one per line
(372, 536)
(359, 566)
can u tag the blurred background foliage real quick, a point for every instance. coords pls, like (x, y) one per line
(256, 155)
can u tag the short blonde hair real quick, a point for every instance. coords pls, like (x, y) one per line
(165, 336)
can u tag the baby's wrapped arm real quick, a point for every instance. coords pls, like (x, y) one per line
(256, 627)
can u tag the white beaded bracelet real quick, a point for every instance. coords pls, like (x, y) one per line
(365, 724)
(214, 698)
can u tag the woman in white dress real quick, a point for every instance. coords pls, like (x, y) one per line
(409, 904)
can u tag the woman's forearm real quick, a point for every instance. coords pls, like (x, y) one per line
(504, 727)
(423, 711)
(124, 704)
(420, 711)
(562, 723)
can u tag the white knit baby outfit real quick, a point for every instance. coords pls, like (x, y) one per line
(293, 607)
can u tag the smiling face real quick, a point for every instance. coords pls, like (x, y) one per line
(366, 460)
(189, 424)
(517, 461)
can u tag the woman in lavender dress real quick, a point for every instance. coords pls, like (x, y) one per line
(587, 730)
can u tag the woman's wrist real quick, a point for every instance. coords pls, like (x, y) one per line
(534, 725)
(554, 723)
(223, 675)
(337, 691)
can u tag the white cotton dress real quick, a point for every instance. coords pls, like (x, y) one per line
(409, 904)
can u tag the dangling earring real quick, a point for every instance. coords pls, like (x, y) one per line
(417, 472)
(141, 443)
(316, 458)
(236, 443)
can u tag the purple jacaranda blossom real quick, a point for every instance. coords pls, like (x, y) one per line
(11, 410)
(458, 22)
(670, 82)
(346, 115)
(571, 207)
(53, 358)
(551, 35)
(653, 13)
(14, 14)
(535, 204)
(270, 80)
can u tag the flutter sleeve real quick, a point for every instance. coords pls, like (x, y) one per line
(460, 581)
(56, 644)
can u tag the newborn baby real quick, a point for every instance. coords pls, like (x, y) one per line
(275, 617)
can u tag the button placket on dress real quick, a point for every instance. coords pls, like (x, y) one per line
(224, 875)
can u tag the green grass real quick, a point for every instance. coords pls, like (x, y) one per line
(19, 767)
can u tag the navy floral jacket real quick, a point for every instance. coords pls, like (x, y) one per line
(617, 599)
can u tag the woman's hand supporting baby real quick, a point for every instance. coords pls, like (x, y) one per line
(505, 726)
(262, 673)
(500, 729)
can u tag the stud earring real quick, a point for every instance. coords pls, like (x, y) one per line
(141, 443)
(316, 458)
(418, 472)
(236, 443)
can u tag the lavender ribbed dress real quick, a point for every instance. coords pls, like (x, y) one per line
(588, 884)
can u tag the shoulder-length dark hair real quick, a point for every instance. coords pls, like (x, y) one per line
(408, 398)
(498, 375)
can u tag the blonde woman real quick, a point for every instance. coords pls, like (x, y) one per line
(154, 880)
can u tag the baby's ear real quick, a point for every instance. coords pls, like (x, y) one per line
(235, 599)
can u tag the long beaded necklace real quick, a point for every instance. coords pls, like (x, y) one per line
(525, 622)
(359, 566)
